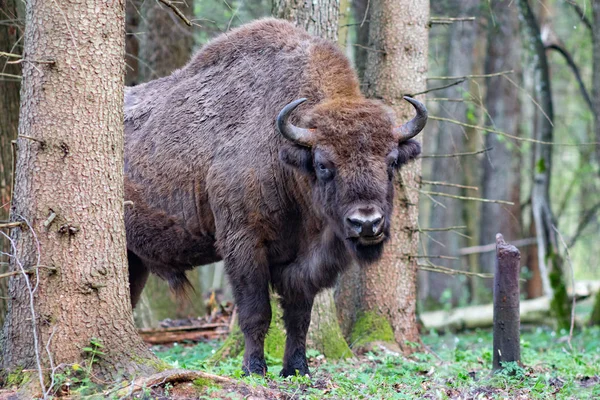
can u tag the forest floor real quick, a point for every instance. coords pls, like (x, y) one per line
(458, 366)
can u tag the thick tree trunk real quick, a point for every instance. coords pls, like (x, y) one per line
(397, 65)
(166, 42)
(319, 18)
(452, 139)
(10, 32)
(501, 166)
(549, 259)
(69, 195)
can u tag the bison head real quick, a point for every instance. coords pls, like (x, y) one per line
(350, 152)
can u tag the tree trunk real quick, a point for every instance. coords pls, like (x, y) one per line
(320, 18)
(397, 65)
(549, 259)
(166, 43)
(595, 318)
(9, 121)
(452, 139)
(68, 195)
(501, 166)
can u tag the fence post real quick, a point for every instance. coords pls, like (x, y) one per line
(506, 304)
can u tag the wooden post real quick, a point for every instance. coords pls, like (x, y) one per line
(506, 304)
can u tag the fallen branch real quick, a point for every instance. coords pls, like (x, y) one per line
(179, 334)
(482, 316)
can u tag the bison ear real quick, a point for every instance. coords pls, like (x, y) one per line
(407, 151)
(297, 157)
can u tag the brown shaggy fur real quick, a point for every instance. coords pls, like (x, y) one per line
(211, 178)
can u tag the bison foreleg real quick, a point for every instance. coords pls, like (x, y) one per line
(138, 275)
(296, 317)
(251, 292)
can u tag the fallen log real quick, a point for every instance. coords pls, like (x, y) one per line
(482, 316)
(181, 333)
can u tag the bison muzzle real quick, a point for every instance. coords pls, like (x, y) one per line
(263, 153)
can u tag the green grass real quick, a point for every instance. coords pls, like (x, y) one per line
(550, 369)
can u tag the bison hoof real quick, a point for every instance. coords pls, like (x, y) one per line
(255, 365)
(291, 371)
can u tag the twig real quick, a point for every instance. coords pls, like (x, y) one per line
(508, 135)
(31, 138)
(587, 217)
(426, 256)
(510, 203)
(11, 75)
(572, 285)
(567, 56)
(10, 225)
(487, 248)
(176, 11)
(581, 14)
(28, 271)
(449, 271)
(458, 82)
(9, 55)
(470, 153)
(449, 20)
(32, 311)
(447, 78)
(449, 228)
(369, 48)
(435, 183)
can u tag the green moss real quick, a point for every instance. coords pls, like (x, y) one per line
(560, 305)
(16, 378)
(202, 383)
(155, 363)
(333, 345)
(232, 347)
(275, 340)
(371, 327)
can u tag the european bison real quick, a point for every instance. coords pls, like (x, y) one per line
(262, 152)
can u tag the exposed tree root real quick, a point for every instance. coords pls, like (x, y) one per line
(183, 375)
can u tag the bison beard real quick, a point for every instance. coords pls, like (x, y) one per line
(225, 159)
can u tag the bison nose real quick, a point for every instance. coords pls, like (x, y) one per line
(365, 224)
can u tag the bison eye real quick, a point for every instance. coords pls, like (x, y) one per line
(323, 173)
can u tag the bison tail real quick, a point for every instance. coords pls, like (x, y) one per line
(181, 286)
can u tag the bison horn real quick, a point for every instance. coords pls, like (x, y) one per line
(412, 128)
(301, 136)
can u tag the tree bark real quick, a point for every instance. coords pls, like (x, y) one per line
(166, 43)
(452, 139)
(69, 194)
(318, 17)
(397, 65)
(501, 166)
(9, 121)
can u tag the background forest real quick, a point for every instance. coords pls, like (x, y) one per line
(481, 78)
(511, 147)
